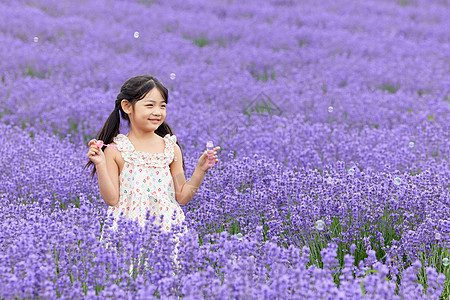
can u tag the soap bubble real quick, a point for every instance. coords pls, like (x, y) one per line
(445, 261)
(330, 109)
(239, 236)
(351, 171)
(136, 34)
(411, 144)
(36, 39)
(172, 76)
(320, 225)
(330, 180)
(397, 181)
(438, 236)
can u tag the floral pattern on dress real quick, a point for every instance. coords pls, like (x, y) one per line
(146, 184)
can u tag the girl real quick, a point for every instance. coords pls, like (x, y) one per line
(143, 171)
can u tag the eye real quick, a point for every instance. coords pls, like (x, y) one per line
(149, 105)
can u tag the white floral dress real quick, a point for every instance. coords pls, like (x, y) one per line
(146, 184)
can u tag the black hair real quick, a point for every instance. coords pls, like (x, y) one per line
(133, 90)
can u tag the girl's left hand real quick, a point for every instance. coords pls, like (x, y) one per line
(203, 160)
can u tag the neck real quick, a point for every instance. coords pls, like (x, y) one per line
(142, 136)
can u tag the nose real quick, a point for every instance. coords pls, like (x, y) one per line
(156, 112)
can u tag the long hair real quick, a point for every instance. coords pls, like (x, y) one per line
(133, 90)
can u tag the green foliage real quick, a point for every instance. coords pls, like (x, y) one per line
(263, 77)
(30, 71)
(201, 42)
(73, 126)
(147, 3)
(343, 83)
(421, 92)
(390, 88)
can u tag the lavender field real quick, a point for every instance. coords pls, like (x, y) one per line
(333, 123)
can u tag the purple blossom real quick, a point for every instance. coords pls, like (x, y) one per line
(374, 168)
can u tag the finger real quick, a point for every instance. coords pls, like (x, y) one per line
(216, 148)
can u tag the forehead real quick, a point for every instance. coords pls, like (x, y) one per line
(153, 94)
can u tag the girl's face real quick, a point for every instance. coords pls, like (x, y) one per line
(151, 107)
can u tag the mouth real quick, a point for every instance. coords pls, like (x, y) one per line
(155, 120)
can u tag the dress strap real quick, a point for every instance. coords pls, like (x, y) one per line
(122, 142)
(172, 138)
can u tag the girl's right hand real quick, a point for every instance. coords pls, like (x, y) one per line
(96, 154)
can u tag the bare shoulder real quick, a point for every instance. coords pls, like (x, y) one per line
(112, 153)
(177, 149)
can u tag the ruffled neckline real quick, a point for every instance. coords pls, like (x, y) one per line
(130, 155)
(131, 148)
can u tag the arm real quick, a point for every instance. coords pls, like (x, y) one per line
(184, 191)
(108, 178)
